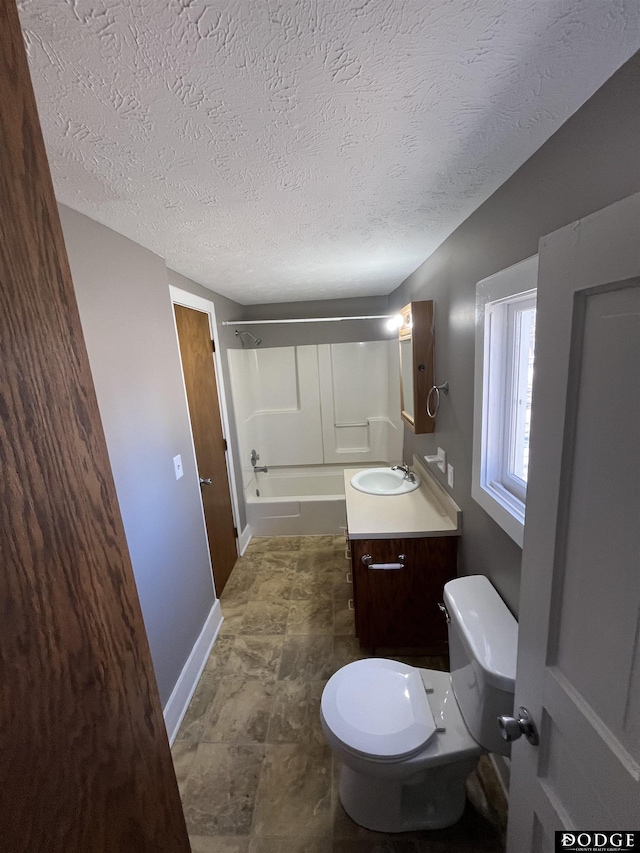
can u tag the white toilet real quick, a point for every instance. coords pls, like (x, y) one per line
(407, 738)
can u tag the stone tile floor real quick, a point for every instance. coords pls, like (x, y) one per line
(254, 772)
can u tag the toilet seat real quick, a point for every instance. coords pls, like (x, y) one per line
(378, 708)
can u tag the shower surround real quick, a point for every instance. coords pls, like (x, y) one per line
(309, 412)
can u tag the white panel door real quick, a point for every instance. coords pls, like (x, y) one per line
(579, 648)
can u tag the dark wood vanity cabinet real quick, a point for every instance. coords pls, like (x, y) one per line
(399, 607)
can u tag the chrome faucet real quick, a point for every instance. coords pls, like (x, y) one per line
(254, 458)
(408, 475)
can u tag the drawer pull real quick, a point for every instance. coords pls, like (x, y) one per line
(349, 577)
(367, 560)
(347, 554)
(350, 604)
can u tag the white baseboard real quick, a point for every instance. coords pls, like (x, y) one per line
(244, 539)
(178, 702)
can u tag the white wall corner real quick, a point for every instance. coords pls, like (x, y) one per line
(244, 539)
(178, 702)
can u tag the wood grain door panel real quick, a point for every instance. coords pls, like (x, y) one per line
(84, 759)
(196, 352)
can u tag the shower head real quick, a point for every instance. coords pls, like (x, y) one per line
(257, 341)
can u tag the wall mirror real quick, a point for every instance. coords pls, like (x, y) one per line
(416, 364)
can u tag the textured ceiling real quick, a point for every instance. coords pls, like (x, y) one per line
(305, 149)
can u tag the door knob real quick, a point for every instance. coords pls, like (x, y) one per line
(205, 481)
(511, 728)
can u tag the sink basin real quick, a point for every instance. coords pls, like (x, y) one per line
(383, 481)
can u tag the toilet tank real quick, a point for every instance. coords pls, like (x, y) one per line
(483, 644)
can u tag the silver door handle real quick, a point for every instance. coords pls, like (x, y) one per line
(511, 728)
(367, 560)
(205, 481)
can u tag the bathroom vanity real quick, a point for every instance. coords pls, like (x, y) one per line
(403, 549)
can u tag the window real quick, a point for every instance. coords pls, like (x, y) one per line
(505, 337)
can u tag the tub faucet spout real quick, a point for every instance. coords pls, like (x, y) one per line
(257, 468)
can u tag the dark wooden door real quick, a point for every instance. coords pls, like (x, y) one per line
(84, 759)
(196, 352)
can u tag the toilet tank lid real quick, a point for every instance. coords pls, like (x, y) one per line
(487, 627)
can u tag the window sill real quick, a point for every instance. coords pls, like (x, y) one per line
(503, 507)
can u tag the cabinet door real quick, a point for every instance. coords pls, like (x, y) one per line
(399, 607)
(417, 365)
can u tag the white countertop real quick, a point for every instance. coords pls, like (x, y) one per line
(427, 511)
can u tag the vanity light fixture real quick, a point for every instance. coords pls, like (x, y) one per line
(395, 322)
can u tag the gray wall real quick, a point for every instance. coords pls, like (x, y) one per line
(127, 318)
(318, 333)
(592, 161)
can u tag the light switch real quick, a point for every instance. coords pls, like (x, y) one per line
(177, 464)
(450, 475)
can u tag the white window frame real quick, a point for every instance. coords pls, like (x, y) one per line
(498, 300)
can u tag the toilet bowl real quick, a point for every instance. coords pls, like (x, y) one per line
(407, 738)
(420, 788)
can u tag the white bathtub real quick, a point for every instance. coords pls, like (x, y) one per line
(297, 501)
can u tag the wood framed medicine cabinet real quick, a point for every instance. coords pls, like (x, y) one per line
(416, 364)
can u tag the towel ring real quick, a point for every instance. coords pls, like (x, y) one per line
(435, 391)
